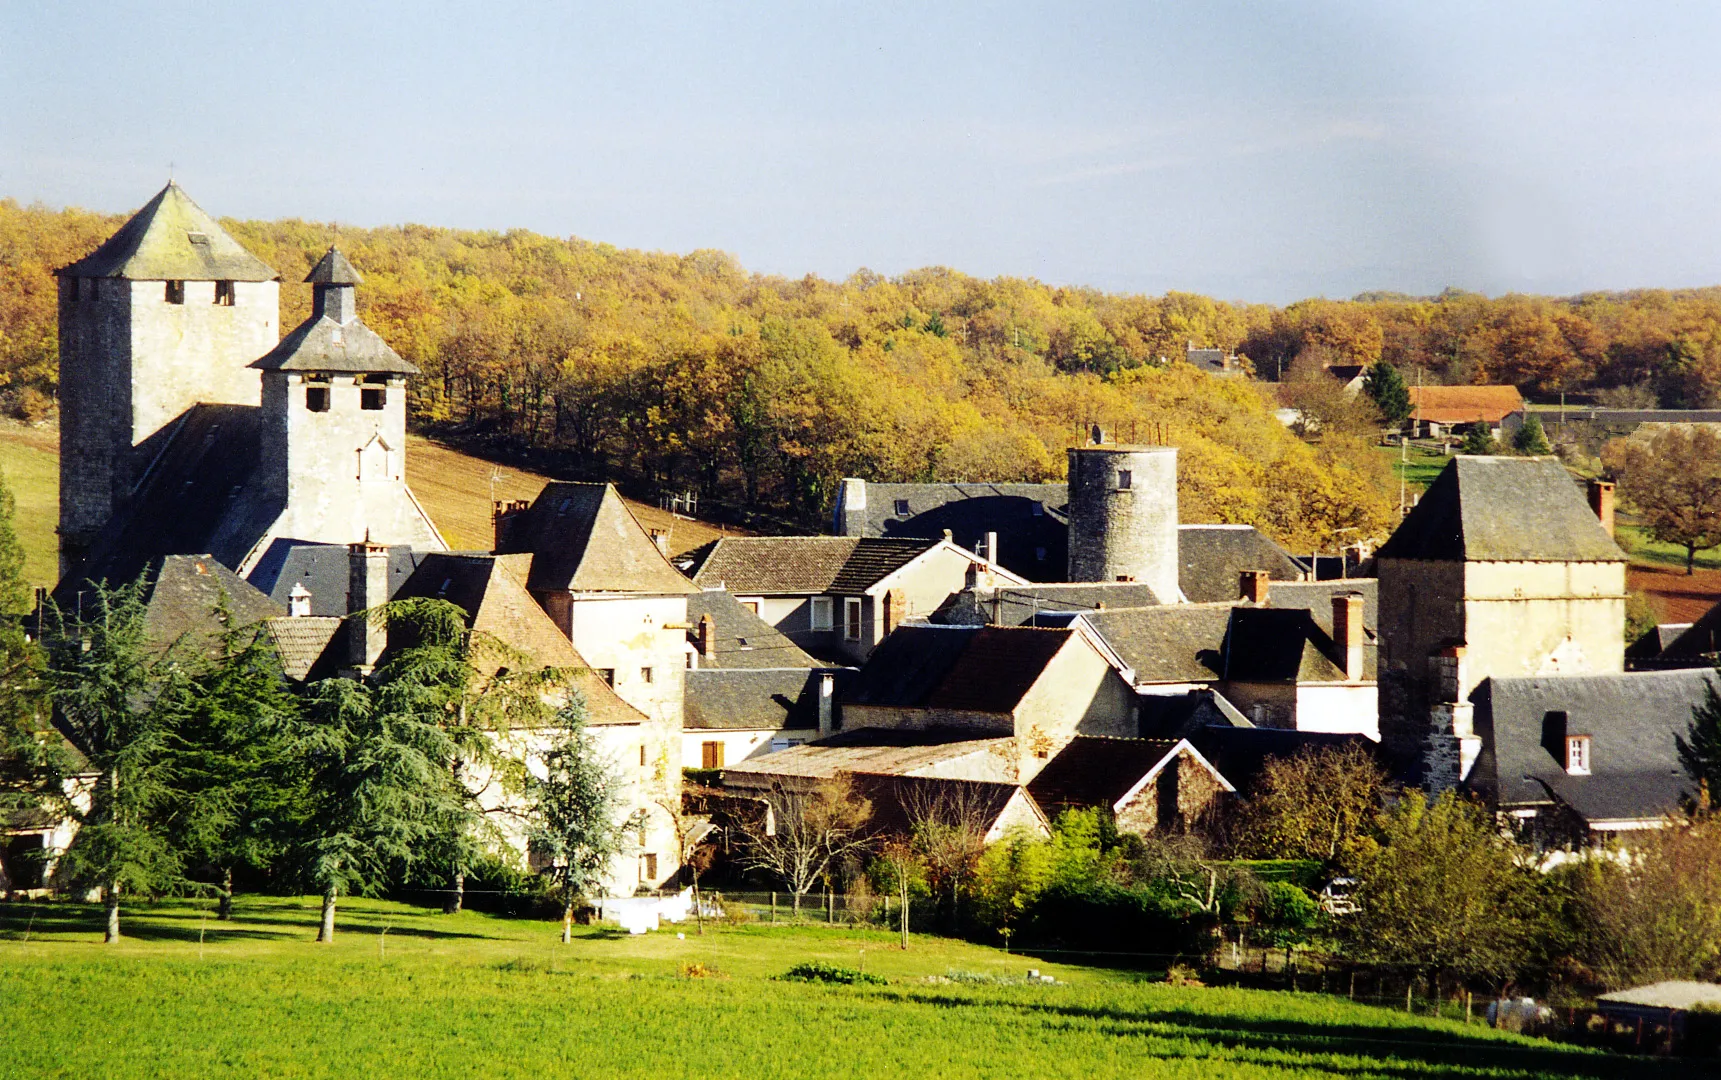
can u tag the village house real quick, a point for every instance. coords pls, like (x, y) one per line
(837, 597)
(1146, 785)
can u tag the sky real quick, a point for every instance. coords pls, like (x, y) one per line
(1250, 151)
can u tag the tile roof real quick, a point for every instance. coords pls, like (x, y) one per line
(1632, 720)
(172, 239)
(752, 699)
(986, 669)
(1093, 770)
(303, 645)
(583, 538)
(743, 639)
(1211, 557)
(1464, 404)
(803, 565)
(1502, 509)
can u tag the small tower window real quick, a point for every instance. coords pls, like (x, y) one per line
(317, 398)
(372, 398)
(223, 294)
(176, 292)
(1124, 479)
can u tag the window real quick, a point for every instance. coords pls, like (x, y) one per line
(902, 508)
(645, 674)
(1124, 479)
(711, 755)
(176, 292)
(648, 866)
(1578, 755)
(821, 613)
(317, 398)
(751, 603)
(607, 674)
(372, 398)
(223, 294)
(852, 619)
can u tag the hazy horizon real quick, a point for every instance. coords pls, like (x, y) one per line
(1244, 152)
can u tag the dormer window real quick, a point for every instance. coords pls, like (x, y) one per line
(223, 294)
(175, 292)
(1578, 755)
(902, 508)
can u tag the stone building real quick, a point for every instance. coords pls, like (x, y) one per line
(165, 315)
(1501, 571)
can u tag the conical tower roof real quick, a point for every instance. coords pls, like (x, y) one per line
(172, 239)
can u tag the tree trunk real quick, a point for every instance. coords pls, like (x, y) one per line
(326, 931)
(567, 922)
(904, 915)
(112, 895)
(224, 909)
(1690, 560)
(797, 897)
(698, 908)
(457, 897)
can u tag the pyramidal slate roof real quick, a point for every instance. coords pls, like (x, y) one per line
(322, 344)
(1502, 509)
(334, 269)
(583, 538)
(172, 239)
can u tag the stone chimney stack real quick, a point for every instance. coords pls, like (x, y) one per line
(1252, 586)
(502, 515)
(707, 638)
(849, 513)
(1601, 501)
(992, 548)
(1348, 634)
(895, 607)
(827, 704)
(367, 589)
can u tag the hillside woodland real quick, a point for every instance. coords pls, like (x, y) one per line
(686, 372)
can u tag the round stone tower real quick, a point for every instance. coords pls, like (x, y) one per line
(1123, 516)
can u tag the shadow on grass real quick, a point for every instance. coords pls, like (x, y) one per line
(275, 921)
(1419, 1049)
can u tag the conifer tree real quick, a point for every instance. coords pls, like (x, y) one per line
(116, 697)
(1478, 439)
(1385, 387)
(1700, 749)
(1531, 438)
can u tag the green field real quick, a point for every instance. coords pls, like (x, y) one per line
(30, 461)
(475, 995)
(1420, 468)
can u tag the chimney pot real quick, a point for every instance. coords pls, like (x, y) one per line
(1601, 501)
(827, 701)
(1252, 586)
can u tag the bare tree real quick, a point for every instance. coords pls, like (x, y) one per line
(947, 826)
(805, 830)
(689, 830)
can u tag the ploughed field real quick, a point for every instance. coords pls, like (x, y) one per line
(407, 993)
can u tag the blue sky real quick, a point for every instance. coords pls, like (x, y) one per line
(1264, 151)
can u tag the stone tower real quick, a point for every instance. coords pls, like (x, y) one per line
(166, 314)
(1123, 516)
(1502, 570)
(334, 428)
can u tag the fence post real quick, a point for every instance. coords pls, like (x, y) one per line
(830, 908)
(1409, 985)
(1352, 993)
(1466, 1008)
(773, 907)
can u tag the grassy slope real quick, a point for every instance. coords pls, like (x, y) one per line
(475, 995)
(454, 488)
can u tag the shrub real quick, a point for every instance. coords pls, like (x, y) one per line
(698, 969)
(819, 971)
(1183, 975)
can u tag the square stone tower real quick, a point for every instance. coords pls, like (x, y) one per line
(166, 314)
(333, 452)
(1502, 570)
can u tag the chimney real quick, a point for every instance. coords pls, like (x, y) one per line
(299, 601)
(1601, 501)
(849, 515)
(827, 702)
(895, 607)
(1348, 634)
(1252, 586)
(367, 589)
(502, 515)
(992, 547)
(707, 638)
(660, 539)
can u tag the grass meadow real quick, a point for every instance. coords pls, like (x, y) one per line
(408, 993)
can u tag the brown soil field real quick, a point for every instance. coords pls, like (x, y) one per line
(1677, 598)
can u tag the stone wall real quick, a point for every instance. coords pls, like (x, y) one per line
(1120, 532)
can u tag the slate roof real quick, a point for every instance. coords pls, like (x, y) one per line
(1632, 720)
(184, 592)
(802, 565)
(1241, 753)
(743, 639)
(1502, 509)
(1174, 643)
(898, 800)
(1094, 770)
(334, 269)
(1181, 716)
(160, 243)
(1033, 533)
(752, 699)
(583, 538)
(198, 495)
(1317, 598)
(1210, 559)
(325, 570)
(985, 669)
(1273, 644)
(1464, 404)
(1656, 647)
(322, 344)
(1017, 605)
